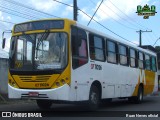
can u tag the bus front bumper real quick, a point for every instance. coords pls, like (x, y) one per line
(61, 93)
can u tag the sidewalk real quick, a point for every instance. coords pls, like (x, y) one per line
(5, 100)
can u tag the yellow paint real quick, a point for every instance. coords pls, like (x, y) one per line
(11, 80)
(21, 81)
(65, 76)
(66, 27)
(136, 87)
(148, 82)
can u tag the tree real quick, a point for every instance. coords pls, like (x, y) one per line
(157, 48)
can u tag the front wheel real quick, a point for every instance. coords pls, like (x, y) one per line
(94, 98)
(44, 104)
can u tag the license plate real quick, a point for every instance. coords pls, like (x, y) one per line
(33, 94)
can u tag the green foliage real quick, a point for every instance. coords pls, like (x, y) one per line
(157, 48)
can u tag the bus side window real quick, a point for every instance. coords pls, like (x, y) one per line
(140, 60)
(79, 47)
(153, 64)
(123, 55)
(97, 48)
(82, 51)
(147, 62)
(133, 57)
(112, 52)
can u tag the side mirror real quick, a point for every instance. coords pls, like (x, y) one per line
(4, 39)
(3, 43)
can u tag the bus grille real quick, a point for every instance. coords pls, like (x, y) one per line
(40, 78)
(26, 96)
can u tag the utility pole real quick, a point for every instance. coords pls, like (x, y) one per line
(140, 36)
(75, 12)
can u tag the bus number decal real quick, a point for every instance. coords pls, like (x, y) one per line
(41, 85)
(92, 66)
(96, 67)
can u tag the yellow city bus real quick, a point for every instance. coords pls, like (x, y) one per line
(61, 60)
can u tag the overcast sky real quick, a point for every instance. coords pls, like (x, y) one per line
(117, 15)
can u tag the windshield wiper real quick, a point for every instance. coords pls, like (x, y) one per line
(60, 37)
(30, 39)
(40, 40)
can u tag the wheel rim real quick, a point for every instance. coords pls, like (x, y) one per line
(94, 98)
(140, 96)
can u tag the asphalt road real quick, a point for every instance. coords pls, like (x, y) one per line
(117, 108)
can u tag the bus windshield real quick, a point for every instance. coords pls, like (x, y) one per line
(42, 51)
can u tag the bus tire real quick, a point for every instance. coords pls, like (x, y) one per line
(44, 104)
(130, 99)
(94, 98)
(139, 98)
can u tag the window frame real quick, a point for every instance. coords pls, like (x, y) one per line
(79, 57)
(91, 47)
(126, 56)
(135, 58)
(141, 60)
(116, 51)
(149, 62)
(154, 64)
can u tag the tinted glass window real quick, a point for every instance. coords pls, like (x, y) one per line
(123, 55)
(98, 42)
(111, 52)
(96, 48)
(79, 47)
(147, 62)
(132, 58)
(122, 50)
(41, 51)
(140, 61)
(153, 64)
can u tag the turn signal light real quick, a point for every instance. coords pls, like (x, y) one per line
(63, 81)
(58, 84)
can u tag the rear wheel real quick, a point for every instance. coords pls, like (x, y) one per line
(44, 104)
(139, 98)
(94, 98)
